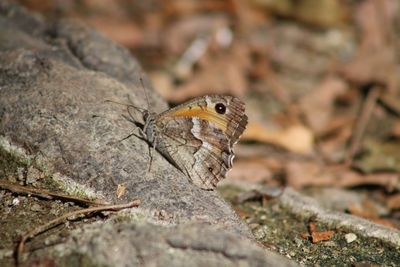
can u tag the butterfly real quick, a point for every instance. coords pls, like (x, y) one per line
(198, 136)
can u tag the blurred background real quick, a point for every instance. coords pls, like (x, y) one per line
(320, 79)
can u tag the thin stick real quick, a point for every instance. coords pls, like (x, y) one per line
(362, 123)
(58, 220)
(27, 190)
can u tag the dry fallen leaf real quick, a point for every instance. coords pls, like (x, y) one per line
(333, 140)
(318, 105)
(295, 138)
(376, 60)
(252, 170)
(300, 174)
(218, 73)
(393, 202)
(367, 214)
(121, 190)
(316, 236)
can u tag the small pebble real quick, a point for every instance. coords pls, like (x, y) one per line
(15, 201)
(350, 237)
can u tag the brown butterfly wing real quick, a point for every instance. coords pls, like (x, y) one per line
(201, 146)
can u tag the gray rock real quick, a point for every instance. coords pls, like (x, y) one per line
(151, 245)
(54, 79)
(58, 110)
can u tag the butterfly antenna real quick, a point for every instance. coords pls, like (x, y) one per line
(125, 104)
(145, 92)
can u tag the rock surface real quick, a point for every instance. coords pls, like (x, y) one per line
(54, 79)
(151, 245)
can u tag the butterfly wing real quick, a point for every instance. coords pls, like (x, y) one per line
(198, 139)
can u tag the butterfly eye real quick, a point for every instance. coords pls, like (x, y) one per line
(220, 108)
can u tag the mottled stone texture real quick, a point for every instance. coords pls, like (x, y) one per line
(151, 245)
(54, 79)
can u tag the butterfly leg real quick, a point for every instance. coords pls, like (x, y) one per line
(152, 147)
(142, 134)
(129, 136)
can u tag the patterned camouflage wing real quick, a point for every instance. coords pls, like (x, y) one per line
(199, 145)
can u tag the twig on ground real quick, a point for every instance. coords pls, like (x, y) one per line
(58, 220)
(361, 124)
(27, 190)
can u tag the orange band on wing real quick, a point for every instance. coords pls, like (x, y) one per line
(203, 113)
